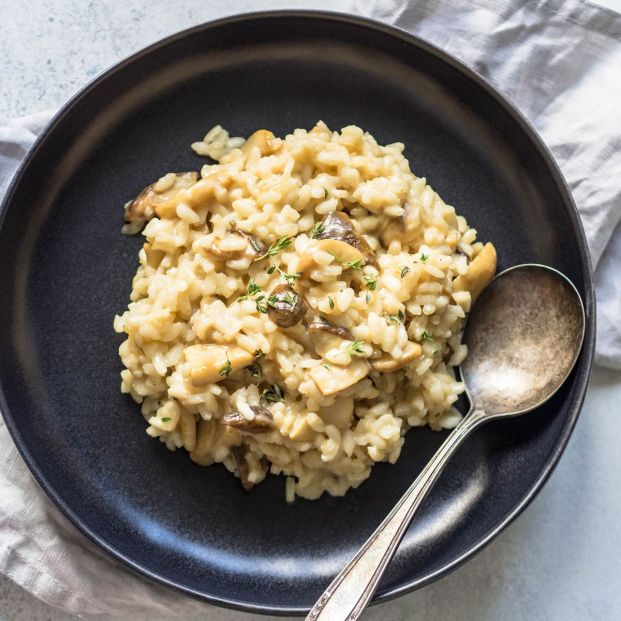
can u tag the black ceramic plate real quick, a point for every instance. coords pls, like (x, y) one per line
(65, 270)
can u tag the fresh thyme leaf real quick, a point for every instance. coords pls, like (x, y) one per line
(290, 278)
(331, 302)
(424, 257)
(356, 347)
(404, 270)
(261, 304)
(166, 419)
(324, 320)
(256, 371)
(325, 192)
(226, 369)
(401, 316)
(273, 394)
(326, 366)
(271, 269)
(276, 247)
(354, 265)
(317, 230)
(253, 288)
(392, 319)
(259, 353)
(426, 336)
(371, 283)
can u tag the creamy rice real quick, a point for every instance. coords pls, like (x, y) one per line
(298, 307)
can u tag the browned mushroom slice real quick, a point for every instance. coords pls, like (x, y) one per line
(207, 364)
(262, 139)
(337, 225)
(143, 207)
(326, 336)
(344, 254)
(285, 307)
(323, 325)
(387, 364)
(194, 195)
(333, 380)
(242, 467)
(480, 271)
(261, 423)
(252, 249)
(406, 229)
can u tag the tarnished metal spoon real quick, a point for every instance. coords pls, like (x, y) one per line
(524, 335)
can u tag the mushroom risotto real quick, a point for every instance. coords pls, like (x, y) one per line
(298, 307)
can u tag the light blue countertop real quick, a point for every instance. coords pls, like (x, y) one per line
(561, 559)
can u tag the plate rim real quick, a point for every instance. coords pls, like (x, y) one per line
(586, 355)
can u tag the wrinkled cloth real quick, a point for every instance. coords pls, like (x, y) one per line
(560, 63)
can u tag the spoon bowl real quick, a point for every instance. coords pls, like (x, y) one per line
(524, 335)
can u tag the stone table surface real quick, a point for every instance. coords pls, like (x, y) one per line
(561, 559)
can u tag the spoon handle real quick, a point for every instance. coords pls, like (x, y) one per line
(352, 589)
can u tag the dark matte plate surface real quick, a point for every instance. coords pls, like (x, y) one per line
(65, 271)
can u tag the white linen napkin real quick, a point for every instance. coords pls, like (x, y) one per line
(559, 62)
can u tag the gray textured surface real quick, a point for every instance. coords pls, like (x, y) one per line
(560, 560)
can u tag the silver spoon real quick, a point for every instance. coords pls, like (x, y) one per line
(524, 335)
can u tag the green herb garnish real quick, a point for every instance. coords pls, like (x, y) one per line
(324, 320)
(226, 369)
(426, 336)
(325, 365)
(276, 247)
(354, 265)
(166, 419)
(371, 283)
(271, 269)
(331, 302)
(317, 230)
(404, 270)
(424, 257)
(256, 371)
(261, 305)
(290, 278)
(394, 318)
(273, 394)
(356, 347)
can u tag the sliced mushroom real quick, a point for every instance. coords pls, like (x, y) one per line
(406, 228)
(337, 225)
(387, 364)
(336, 378)
(195, 195)
(262, 139)
(301, 431)
(323, 325)
(261, 423)
(144, 206)
(340, 250)
(252, 249)
(285, 307)
(480, 271)
(326, 336)
(340, 413)
(242, 466)
(208, 364)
